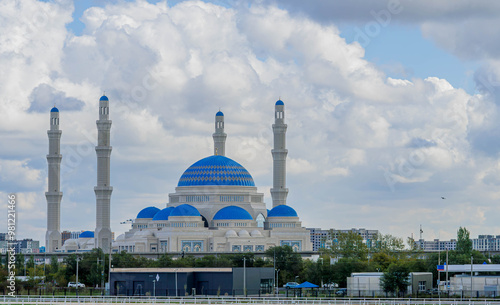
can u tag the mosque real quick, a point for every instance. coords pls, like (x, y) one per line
(216, 206)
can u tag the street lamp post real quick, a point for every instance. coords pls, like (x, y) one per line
(176, 294)
(321, 272)
(277, 281)
(244, 276)
(471, 274)
(77, 276)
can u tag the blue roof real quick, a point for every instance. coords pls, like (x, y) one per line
(232, 212)
(184, 210)
(280, 102)
(54, 110)
(103, 98)
(86, 234)
(163, 214)
(282, 211)
(148, 212)
(219, 113)
(216, 170)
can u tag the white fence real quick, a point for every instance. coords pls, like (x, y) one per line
(229, 300)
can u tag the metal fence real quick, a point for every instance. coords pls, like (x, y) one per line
(231, 300)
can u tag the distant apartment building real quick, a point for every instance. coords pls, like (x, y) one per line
(325, 238)
(486, 243)
(481, 243)
(24, 246)
(65, 235)
(436, 244)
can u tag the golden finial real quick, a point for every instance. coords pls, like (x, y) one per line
(216, 151)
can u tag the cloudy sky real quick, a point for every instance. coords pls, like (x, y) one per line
(390, 105)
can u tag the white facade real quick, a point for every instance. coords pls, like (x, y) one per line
(54, 194)
(103, 235)
(279, 192)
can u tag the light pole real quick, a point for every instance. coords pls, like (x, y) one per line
(277, 280)
(274, 266)
(447, 286)
(176, 294)
(154, 286)
(109, 267)
(321, 272)
(244, 276)
(77, 275)
(471, 274)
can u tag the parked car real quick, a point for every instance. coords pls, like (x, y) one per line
(341, 292)
(432, 291)
(290, 285)
(74, 285)
(330, 285)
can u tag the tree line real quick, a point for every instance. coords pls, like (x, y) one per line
(345, 255)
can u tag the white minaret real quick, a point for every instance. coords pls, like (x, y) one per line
(103, 189)
(219, 135)
(54, 194)
(279, 190)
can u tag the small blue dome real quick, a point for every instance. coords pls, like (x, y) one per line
(184, 210)
(280, 102)
(54, 110)
(216, 170)
(148, 212)
(219, 113)
(282, 211)
(232, 212)
(163, 214)
(103, 98)
(86, 234)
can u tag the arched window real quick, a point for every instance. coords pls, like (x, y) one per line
(260, 220)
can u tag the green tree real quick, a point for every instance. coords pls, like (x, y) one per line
(464, 243)
(123, 260)
(395, 279)
(387, 243)
(164, 261)
(20, 262)
(287, 261)
(54, 264)
(348, 245)
(345, 267)
(382, 260)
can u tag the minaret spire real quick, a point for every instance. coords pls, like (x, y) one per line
(103, 189)
(54, 194)
(279, 191)
(219, 135)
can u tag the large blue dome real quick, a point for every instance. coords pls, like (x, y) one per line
(282, 211)
(163, 214)
(54, 109)
(280, 102)
(86, 234)
(184, 210)
(216, 170)
(148, 212)
(104, 98)
(232, 212)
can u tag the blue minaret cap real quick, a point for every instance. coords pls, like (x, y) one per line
(104, 98)
(54, 110)
(219, 113)
(280, 102)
